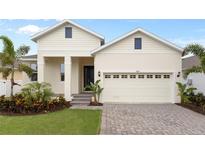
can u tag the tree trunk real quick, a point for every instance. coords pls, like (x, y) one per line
(12, 82)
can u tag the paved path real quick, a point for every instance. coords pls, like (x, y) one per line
(151, 119)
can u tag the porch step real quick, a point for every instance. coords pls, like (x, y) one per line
(81, 98)
(83, 95)
(80, 102)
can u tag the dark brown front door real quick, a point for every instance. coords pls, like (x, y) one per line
(88, 75)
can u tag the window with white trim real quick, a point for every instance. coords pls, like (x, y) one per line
(62, 73)
(138, 43)
(149, 76)
(132, 76)
(115, 76)
(123, 76)
(158, 76)
(107, 76)
(34, 76)
(68, 32)
(141, 76)
(166, 76)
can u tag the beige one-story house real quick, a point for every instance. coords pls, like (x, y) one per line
(138, 67)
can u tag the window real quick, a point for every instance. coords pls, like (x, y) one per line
(107, 76)
(140, 76)
(157, 76)
(115, 76)
(102, 42)
(132, 76)
(166, 76)
(62, 73)
(123, 76)
(68, 32)
(138, 43)
(149, 76)
(34, 76)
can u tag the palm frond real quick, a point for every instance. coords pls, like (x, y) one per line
(5, 72)
(25, 68)
(8, 50)
(22, 50)
(195, 49)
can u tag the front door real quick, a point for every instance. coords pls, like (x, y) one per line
(88, 75)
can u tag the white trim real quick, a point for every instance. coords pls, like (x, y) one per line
(29, 59)
(134, 31)
(36, 36)
(136, 71)
(174, 87)
(141, 52)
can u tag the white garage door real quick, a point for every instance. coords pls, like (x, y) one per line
(137, 88)
(2, 87)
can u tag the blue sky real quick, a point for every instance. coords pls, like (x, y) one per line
(180, 32)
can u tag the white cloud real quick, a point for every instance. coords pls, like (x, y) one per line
(9, 29)
(30, 29)
(184, 41)
(59, 19)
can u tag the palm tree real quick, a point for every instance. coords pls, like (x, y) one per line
(199, 51)
(10, 61)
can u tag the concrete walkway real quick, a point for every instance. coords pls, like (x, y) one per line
(151, 119)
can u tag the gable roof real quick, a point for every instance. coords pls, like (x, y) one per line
(189, 62)
(29, 58)
(142, 31)
(40, 34)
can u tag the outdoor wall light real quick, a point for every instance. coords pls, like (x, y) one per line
(99, 73)
(178, 75)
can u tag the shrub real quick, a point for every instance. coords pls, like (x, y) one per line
(96, 89)
(37, 92)
(185, 92)
(34, 98)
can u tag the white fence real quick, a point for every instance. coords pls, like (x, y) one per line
(5, 87)
(196, 80)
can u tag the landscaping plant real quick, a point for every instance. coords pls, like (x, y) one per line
(10, 61)
(184, 92)
(199, 51)
(34, 98)
(96, 89)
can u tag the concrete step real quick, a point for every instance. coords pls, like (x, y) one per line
(79, 102)
(81, 98)
(82, 95)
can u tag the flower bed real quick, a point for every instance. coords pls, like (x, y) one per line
(18, 105)
(193, 107)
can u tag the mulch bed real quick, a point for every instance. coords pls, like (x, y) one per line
(34, 113)
(95, 104)
(192, 107)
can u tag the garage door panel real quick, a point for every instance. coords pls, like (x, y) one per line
(137, 90)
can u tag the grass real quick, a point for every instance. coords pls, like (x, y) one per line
(65, 122)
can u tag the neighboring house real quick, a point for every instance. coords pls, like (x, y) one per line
(194, 79)
(138, 67)
(19, 77)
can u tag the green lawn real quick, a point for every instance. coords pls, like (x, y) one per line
(67, 121)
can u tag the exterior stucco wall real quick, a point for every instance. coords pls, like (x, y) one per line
(52, 74)
(80, 41)
(154, 57)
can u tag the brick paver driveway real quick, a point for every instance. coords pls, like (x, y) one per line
(151, 119)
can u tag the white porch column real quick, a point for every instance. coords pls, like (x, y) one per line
(67, 82)
(41, 67)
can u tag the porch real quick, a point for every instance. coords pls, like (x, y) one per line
(68, 75)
